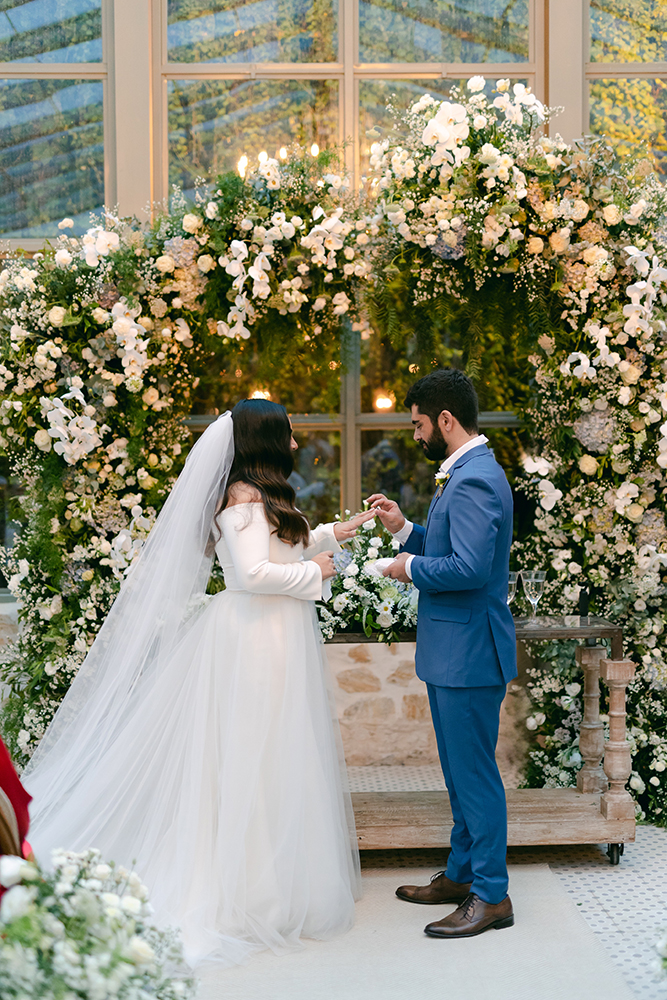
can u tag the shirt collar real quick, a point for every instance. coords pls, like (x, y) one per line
(451, 459)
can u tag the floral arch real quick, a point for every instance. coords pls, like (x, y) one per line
(470, 211)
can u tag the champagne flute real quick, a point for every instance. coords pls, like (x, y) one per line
(533, 585)
(511, 587)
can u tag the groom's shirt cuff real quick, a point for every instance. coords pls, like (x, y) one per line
(402, 537)
(404, 533)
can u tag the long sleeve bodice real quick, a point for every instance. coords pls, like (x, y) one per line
(254, 559)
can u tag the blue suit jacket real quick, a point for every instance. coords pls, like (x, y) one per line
(465, 632)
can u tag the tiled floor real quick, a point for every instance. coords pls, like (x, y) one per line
(625, 905)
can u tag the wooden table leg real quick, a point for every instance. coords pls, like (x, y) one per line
(591, 777)
(617, 803)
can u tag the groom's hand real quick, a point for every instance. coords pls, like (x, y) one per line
(388, 511)
(396, 569)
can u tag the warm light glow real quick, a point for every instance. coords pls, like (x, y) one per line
(314, 149)
(241, 165)
(263, 156)
(260, 394)
(383, 401)
(282, 153)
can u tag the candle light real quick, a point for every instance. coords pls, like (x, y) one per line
(241, 165)
(383, 401)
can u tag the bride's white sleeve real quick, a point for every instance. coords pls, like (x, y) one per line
(247, 535)
(322, 539)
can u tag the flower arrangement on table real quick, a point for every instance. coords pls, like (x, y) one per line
(83, 931)
(362, 600)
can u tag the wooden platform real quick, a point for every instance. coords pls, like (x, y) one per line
(390, 820)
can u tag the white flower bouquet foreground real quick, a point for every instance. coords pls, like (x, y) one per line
(83, 931)
(362, 600)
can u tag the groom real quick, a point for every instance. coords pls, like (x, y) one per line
(466, 645)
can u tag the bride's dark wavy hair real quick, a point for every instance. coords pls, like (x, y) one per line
(263, 459)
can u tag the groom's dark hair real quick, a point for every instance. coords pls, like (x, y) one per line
(446, 389)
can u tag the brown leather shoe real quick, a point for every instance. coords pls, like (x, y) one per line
(472, 917)
(440, 890)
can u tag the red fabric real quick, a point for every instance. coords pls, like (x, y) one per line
(15, 792)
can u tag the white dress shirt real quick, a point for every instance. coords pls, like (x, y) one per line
(404, 533)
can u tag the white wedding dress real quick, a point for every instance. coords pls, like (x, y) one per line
(224, 783)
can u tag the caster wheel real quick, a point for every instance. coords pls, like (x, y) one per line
(614, 851)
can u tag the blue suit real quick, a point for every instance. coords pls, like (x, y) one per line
(466, 654)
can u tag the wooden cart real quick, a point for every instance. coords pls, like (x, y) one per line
(598, 810)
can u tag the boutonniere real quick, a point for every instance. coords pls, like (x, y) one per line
(441, 479)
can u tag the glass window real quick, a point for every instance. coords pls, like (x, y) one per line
(393, 463)
(455, 31)
(299, 377)
(630, 113)
(229, 31)
(316, 476)
(51, 154)
(50, 31)
(213, 123)
(628, 31)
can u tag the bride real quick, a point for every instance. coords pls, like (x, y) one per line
(197, 741)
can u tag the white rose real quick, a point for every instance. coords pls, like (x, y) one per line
(56, 315)
(63, 258)
(100, 315)
(139, 951)
(635, 512)
(165, 263)
(588, 465)
(579, 210)
(319, 303)
(653, 780)
(630, 374)
(479, 121)
(535, 245)
(150, 396)
(475, 84)
(16, 902)
(595, 255)
(560, 241)
(637, 784)
(109, 400)
(11, 870)
(211, 210)
(612, 215)
(131, 905)
(573, 689)
(205, 263)
(191, 223)
(659, 765)
(531, 723)
(43, 442)
(66, 224)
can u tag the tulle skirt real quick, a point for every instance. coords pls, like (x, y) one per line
(225, 788)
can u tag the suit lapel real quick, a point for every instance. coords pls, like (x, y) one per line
(477, 452)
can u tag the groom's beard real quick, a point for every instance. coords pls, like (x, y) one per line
(436, 448)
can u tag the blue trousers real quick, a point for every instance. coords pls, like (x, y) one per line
(466, 727)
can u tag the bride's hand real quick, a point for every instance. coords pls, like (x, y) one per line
(326, 563)
(344, 530)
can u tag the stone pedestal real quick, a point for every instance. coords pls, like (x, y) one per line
(591, 777)
(617, 803)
